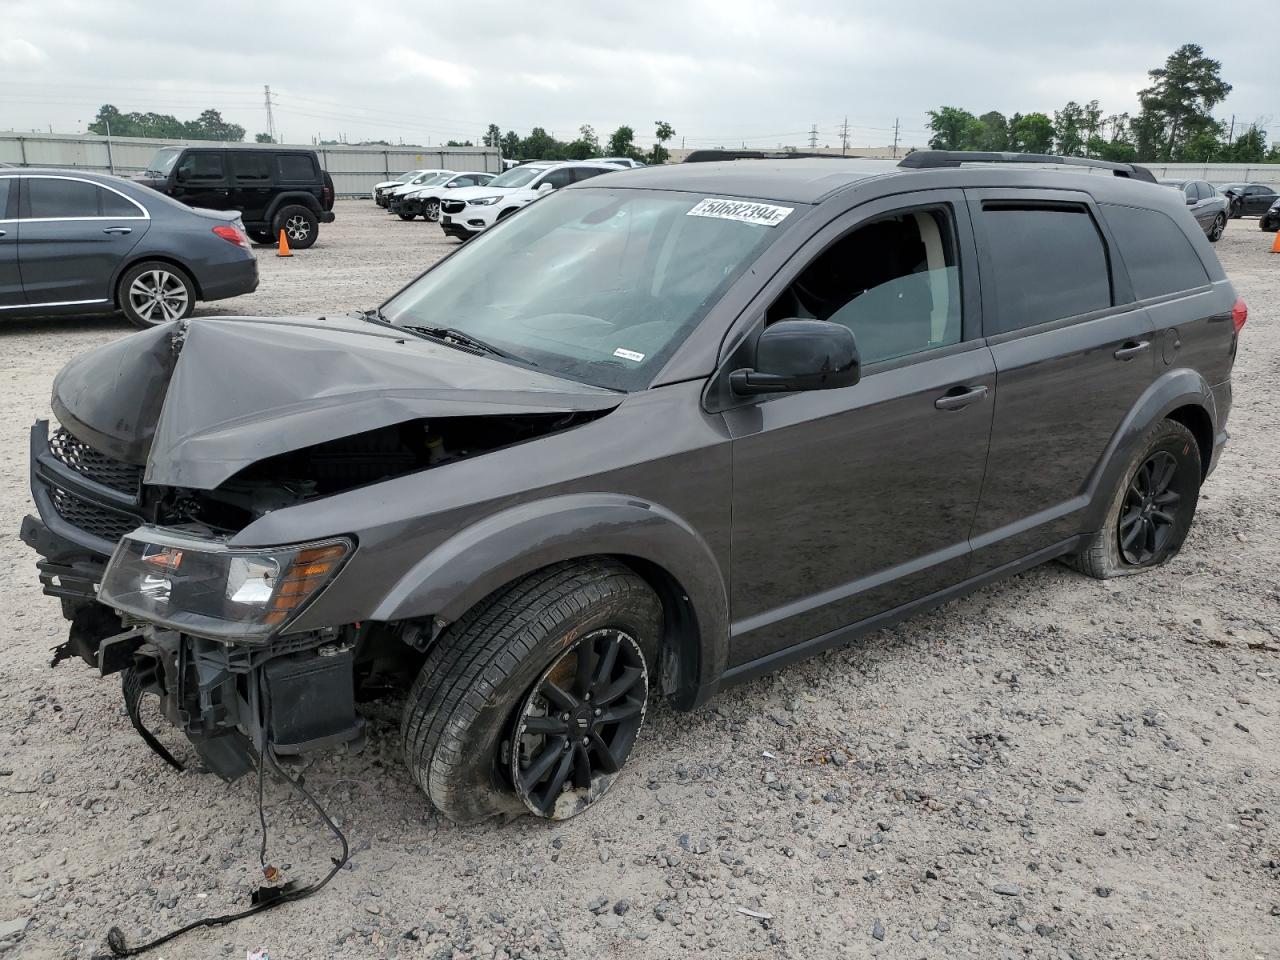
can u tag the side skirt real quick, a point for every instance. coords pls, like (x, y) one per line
(800, 651)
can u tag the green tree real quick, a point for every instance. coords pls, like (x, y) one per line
(991, 132)
(459, 143)
(262, 138)
(1031, 133)
(1249, 147)
(540, 145)
(1273, 155)
(953, 128)
(511, 145)
(622, 144)
(493, 136)
(664, 132)
(210, 126)
(1177, 109)
(585, 147)
(1069, 125)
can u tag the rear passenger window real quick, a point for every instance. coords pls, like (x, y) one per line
(50, 197)
(894, 282)
(296, 168)
(1047, 263)
(1159, 257)
(4, 194)
(586, 173)
(249, 167)
(114, 205)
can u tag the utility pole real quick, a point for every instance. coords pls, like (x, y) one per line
(844, 137)
(271, 121)
(895, 138)
(813, 137)
(1232, 135)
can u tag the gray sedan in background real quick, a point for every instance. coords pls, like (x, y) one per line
(73, 242)
(1207, 205)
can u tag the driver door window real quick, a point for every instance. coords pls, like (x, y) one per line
(557, 179)
(894, 282)
(201, 168)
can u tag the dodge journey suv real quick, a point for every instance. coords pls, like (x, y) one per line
(662, 432)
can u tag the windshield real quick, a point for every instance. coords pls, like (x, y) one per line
(596, 285)
(436, 180)
(407, 176)
(516, 177)
(162, 162)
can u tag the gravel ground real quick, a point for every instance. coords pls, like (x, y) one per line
(1053, 767)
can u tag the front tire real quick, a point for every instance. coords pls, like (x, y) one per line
(532, 701)
(432, 211)
(299, 224)
(406, 216)
(1152, 510)
(154, 292)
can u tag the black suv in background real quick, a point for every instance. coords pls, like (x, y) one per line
(273, 188)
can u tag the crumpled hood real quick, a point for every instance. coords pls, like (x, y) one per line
(200, 401)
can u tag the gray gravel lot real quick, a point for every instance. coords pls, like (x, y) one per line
(1051, 768)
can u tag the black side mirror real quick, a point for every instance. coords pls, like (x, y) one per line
(800, 355)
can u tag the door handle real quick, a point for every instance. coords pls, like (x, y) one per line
(4, 233)
(1132, 349)
(119, 230)
(958, 401)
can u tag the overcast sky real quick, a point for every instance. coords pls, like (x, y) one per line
(720, 71)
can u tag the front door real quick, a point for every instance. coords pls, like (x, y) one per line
(200, 180)
(848, 503)
(73, 235)
(10, 278)
(1072, 352)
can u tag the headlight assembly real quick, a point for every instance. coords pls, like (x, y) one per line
(209, 589)
(484, 201)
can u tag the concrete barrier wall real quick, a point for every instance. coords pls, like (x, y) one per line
(354, 169)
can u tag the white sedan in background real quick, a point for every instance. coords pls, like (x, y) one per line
(383, 189)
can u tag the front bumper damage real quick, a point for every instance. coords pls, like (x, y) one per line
(295, 695)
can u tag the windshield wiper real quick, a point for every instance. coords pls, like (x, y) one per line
(450, 335)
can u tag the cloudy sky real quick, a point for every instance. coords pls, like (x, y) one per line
(720, 71)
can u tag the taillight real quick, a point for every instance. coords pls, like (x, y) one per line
(232, 235)
(327, 194)
(1239, 313)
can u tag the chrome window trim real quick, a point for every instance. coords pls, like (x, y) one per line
(146, 214)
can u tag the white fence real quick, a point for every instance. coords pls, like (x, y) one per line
(354, 169)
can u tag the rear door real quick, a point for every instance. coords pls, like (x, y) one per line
(200, 180)
(10, 279)
(73, 234)
(250, 178)
(1072, 352)
(1258, 199)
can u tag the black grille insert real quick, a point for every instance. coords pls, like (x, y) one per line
(92, 517)
(79, 456)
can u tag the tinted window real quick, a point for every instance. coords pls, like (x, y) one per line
(894, 282)
(296, 167)
(1206, 191)
(558, 178)
(251, 167)
(4, 194)
(62, 198)
(1047, 263)
(1157, 254)
(114, 205)
(201, 166)
(586, 173)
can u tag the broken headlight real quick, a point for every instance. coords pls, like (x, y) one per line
(207, 588)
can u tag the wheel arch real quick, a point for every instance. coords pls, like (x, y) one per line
(1180, 394)
(294, 198)
(133, 261)
(659, 546)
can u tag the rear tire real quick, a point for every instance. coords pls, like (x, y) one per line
(299, 224)
(406, 216)
(154, 292)
(1151, 512)
(476, 721)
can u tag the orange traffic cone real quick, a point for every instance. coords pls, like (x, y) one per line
(283, 250)
(1275, 244)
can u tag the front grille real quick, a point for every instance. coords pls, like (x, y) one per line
(453, 206)
(79, 456)
(91, 517)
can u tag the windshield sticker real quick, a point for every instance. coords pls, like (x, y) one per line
(764, 214)
(628, 355)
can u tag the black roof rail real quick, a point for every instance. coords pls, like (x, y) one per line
(715, 154)
(927, 159)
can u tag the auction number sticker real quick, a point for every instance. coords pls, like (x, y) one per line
(626, 354)
(744, 211)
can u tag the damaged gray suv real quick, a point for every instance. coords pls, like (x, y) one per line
(651, 437)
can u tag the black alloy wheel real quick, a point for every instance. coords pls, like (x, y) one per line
(576, 728)
(1219, 225)
(1149, 514)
